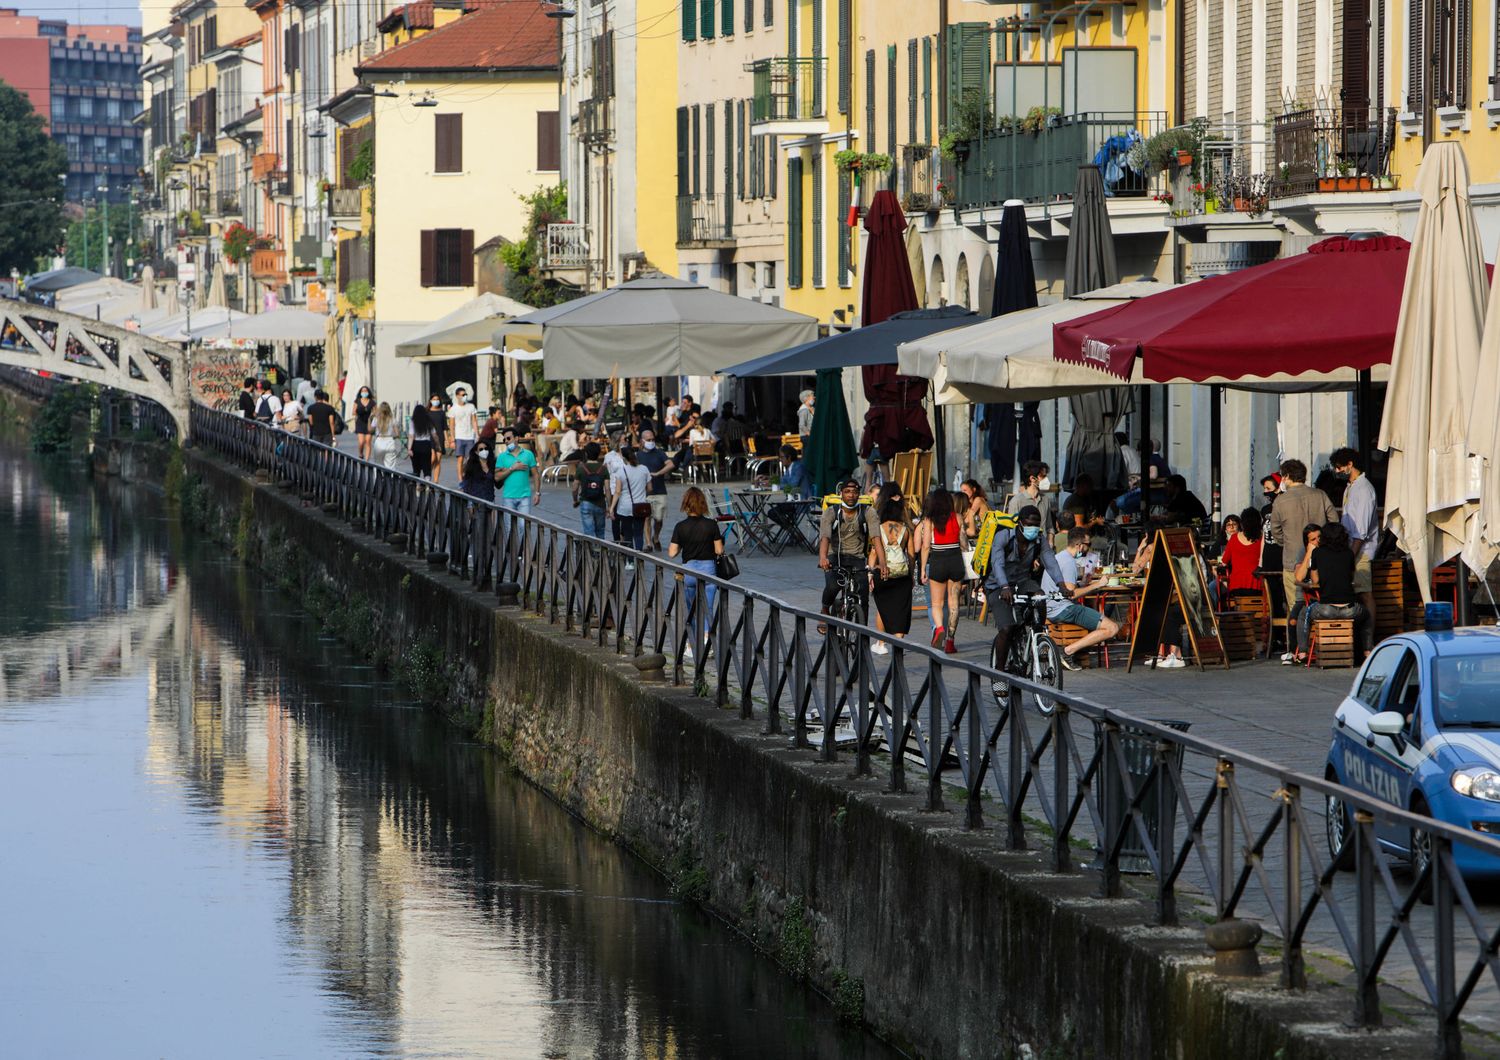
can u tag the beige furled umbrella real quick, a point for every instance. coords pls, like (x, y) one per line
(915, 263)
(1429, 495)
(1483, 543)
(359, 377)
(215, 294)
(170, 307)
(148, 289)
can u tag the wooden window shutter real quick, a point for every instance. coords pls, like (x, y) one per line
(1463, 50)
(726, 18)
(466, 257)
(345, 249)
(968, 63)
(846, 198)
(772, 163)
(769, 15)
(1356, 88)
(927, 90)
(684, 184)
(794, 222)
(293, 47)
(890, 99)
(816, 217)
(1415, 55)
(911, 91)
(869, 130)
(709, 149)
(450, 143)
(739, 149)
(689, 21)
(705, 19)
(846, 55)
(696, 168)
(429, 257)
(749, 15)
(728, 155)
(548, 145)
(816, 50)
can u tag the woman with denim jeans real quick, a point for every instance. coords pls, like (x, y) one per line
(1331, 572)
(696, 541)
(632, 486)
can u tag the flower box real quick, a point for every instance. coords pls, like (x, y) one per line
(1328, 183)
(1184, 158)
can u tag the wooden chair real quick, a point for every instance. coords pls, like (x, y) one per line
(1065, 633)
(793, 440)
(1275, 621)
(1332, 643)
(1258, 608)
(705, 460)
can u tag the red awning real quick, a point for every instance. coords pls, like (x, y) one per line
(1332, 308)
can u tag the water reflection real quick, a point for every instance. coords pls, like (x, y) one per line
(285, 856)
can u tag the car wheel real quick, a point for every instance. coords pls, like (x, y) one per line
(1340, 827)
(1419, 853)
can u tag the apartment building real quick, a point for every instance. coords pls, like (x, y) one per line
(83, 80)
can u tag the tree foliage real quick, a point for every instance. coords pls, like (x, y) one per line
(30, 203)
(93, 221)
(524, 281)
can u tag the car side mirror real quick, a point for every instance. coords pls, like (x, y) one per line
(1388, 723)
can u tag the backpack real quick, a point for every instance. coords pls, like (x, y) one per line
(897, 562)
(591, 484)
(984, 544)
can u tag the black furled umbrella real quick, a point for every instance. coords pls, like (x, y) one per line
(1015, 288)
(1091, 265)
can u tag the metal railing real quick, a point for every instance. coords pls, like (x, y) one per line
(704, 219)
(1331, 149)
(918, 176)
(345, 202)
(1232, 833)
(1042, 165)
(787, 89)
(566, 247)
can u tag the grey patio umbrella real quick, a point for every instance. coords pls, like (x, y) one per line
(1091, 265)
(655, 326)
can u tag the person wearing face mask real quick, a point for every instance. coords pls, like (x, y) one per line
(515, 470)
(1100, 628)
(1019, 558)
(463, 427)
(437, 418)
(845, 531)
(659, 465)
(1033, 493)
(364, 409)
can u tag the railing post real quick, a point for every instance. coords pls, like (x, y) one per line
(747, 657)
(1062, 856)
(1015, 779)
(861, 706)
(1450, 1035)
(1367, 994)
(1224, 777)
(1166, 845)
(975, 751)
(934, 737)
(1293, 972)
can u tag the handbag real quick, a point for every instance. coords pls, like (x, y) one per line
(726, 566)
(638, 509)
(897, 563)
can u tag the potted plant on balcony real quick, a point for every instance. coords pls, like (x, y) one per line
(1346, 181)
(358, 294)
(238, 241)
(1039, 118)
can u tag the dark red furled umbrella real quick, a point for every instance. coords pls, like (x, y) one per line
(1332, 308)
(897, 420)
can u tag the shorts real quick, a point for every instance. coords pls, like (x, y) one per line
(945, 565)
(658, 502)
(1000, 608)
(1363, 579)
(463, 447)
(1078, 615)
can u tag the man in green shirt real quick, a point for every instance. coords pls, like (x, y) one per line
(515, 470)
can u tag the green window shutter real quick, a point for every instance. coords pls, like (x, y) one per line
(694, 167)
(927, 90)
(846, 197)
(706, 19)
(726, 18)
(846, 55)
(739, 149)
(729, 149)
(683, 183)
(869, 129)
(911, 91)
(709, 152)
(890, 99)
(772, 167)
(817, 53)
(793, 222)
(968, 63)
(689, 21)
(816, 217)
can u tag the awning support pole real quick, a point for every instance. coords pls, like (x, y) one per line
(1145, 443)
(940, 435)
(1216, 451)
(1364, 398)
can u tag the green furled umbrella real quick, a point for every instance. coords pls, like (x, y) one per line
(830, 452)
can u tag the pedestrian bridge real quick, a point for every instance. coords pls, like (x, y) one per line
(47, 340)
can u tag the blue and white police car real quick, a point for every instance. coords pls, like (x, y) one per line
(1420, 730)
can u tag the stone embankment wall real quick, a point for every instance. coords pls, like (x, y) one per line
(937, 938)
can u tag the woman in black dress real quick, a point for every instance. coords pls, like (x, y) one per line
(364, 408)
(419, 445)
(437, 415)
(892, 593)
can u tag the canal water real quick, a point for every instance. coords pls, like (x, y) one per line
(223, 836)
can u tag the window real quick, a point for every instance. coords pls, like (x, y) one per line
(968, 63)
(684, 156)
(548, 142)
(697, 153)
(817, 217)
(85, 107)
(749, 15)
(869, 130)
(1382, 664)
(846, 56)
(739, 148)
(726, 19)
(769, 18)
(729, 148)
(793, 222)
(705, 19)
(449, 138)
(448, 257)
(817, 53)
(708, 129)
(689, 21)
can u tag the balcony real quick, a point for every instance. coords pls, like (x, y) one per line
(788, 97)
(594, 126)
(918, 178)
(565, 246)
(229, 204)
(1042, 165)
(345, 204)
(264, 164)
(704, 221)
(268, 265)
(1331, 150)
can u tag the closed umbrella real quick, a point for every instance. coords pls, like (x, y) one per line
(1091, 265)
(1015, 288)
(215, 294)
(1434, 367)
(896, 420)
(915, 262)
(1483, 543)
(830, 449)
(148, 289)
(169, 304)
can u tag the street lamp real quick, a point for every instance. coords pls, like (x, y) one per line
(87, 202)
(103, 189)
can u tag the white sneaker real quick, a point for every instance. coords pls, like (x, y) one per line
(630, 564)
(1289, 657)
(879, 648)
(1172, 662)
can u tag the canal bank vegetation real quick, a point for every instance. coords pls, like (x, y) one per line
(64, 420)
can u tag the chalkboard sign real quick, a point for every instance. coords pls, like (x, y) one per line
(1175, 575)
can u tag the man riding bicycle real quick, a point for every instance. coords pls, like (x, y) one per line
(844, 535)
(1019, 559)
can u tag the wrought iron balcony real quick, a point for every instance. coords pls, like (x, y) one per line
(229, 204)
(345, 203)
(704, 221)
(788, 95)
(565, 246)
(1331, 149)
(264, 164)
(594, 125)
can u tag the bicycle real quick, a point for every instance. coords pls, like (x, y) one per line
(1032, 652)
(853, 587)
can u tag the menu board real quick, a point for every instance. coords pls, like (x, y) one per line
(1176, 577)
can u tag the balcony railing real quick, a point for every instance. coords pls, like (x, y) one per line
(1332, 149)
(1041, 166)
(594, 126)
(918, 178)
(788, 90)
(268, 263)
(345, 202)
(229, 203)
(264, 164)
(703, 220)
(565, 246)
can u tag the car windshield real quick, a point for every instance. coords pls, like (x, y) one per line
(1466, 691)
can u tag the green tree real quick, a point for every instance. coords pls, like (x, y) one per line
(30, 201)
(524, 281)
(93, 220)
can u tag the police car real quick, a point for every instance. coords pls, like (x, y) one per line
(1420, 730)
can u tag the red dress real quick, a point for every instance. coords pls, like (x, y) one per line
(1242, 561)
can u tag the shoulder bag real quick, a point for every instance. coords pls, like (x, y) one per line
(638, 509)
(726, 566)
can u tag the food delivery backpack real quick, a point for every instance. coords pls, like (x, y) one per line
(994, 522)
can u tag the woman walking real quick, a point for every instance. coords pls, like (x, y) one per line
(437, 419)
(696, 541)
(943, 566)
(420, 446)
(631, 502)
(893, 590)
(292, 415)
(364, 409)
(384, 425)
(478, 481)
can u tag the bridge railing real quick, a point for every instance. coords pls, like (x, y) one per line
(1158, 813)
